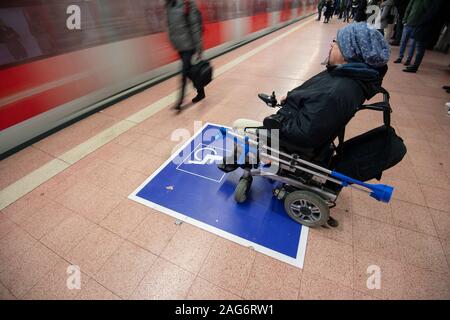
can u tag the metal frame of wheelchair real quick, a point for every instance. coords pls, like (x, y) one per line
(308, 190)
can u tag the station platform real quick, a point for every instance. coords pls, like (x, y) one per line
(64, 200)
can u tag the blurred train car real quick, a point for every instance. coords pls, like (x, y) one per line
(52, 72)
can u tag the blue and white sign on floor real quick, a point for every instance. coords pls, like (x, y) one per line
(191, 188)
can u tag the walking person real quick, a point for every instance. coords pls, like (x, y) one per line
(413, 14)
(342, 8)
(185, 33)
(320, 6)
(347, 10)
(336, 7)
(360, 14)
(328, 11)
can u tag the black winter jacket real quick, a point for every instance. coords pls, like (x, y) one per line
(315, 112)
(401, 6)
(432, 20)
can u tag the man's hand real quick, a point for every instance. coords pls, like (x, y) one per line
(199, 56)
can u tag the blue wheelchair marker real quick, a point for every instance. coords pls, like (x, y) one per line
(191, 188)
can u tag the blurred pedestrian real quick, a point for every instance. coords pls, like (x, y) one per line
(434, 15)
(414, 12)
(342, 4)
(360, 8)
(320, 6)
(185, 33)
(347, 10)
(400, 6)
(336, 7)
(328, 11)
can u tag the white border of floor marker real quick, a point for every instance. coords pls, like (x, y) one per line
(21, 187)
(301, 250)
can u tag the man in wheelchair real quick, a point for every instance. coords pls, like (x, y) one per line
(313, 116)
(314, 113)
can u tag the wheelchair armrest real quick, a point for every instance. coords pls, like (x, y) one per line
(378, 106)
(384, 107)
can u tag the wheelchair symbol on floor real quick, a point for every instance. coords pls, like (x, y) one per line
(210, 158)
(202, 161)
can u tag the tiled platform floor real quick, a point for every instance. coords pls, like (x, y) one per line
(82, 216)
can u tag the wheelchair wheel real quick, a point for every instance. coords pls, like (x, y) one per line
(242, 189)
(307, 208)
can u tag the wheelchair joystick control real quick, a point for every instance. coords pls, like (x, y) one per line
(270, 101)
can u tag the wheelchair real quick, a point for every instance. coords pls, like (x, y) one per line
(306, 179)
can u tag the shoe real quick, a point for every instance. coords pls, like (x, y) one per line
(446, 87)
(199, 97)
(178, 105)
(228, 165)
(410, 69)
(448, 90)
(399, 60)
(407, 63)
(448, 105)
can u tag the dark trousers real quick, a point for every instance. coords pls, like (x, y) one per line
(398, 32)
(347, 15)
(408, 33)
(186, 58)
(399, 28)
(421, 48)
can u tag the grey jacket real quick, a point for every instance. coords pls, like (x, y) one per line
(185, 31)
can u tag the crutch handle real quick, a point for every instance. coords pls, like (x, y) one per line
(379, 192)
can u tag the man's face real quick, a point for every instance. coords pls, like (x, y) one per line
(335, 56)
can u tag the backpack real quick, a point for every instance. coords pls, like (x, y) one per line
(367, 156)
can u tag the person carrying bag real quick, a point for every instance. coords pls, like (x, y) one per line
(185, 33)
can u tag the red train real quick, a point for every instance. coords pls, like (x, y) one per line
(52, 72)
